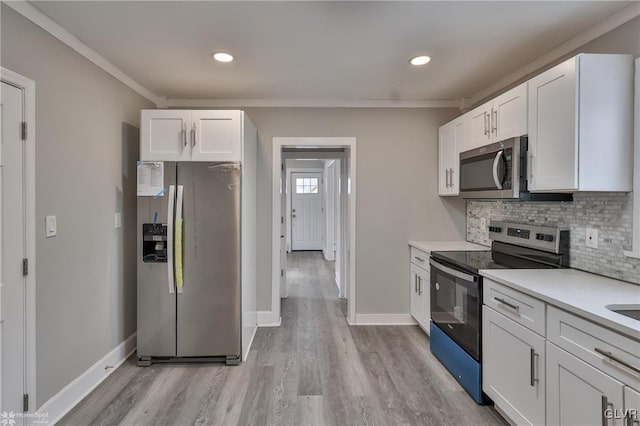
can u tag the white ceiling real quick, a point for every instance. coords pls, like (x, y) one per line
(323, 50)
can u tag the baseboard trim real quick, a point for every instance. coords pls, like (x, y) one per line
(268, 319)
(64, 401)
(245, 354)
(384, 319)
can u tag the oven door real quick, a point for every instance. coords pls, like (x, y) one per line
(456, 304)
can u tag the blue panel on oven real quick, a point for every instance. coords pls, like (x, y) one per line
(466, 370)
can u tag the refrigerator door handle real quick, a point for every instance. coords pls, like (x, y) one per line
(170, 203)
(179, 264)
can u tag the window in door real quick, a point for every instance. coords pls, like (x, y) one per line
(306, 185)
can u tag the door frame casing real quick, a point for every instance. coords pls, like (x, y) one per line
(289, 195)
(349, 143)
(28, 87)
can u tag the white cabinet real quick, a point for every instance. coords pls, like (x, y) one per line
(579, 394)
(501, 118)
(631, 410)
(581, 125)
(164, 135)
(191, 135)
(420, 288)
(452, 139)
(513, 368)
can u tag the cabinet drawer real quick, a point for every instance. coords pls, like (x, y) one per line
(606, 350)
(420, 258)
(521, 308)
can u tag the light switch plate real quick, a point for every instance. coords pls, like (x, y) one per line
(50, 226)
(591, 238)
(118, 220)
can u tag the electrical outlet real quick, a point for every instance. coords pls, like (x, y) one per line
(118, 220)
(591, 238)
(483, 223)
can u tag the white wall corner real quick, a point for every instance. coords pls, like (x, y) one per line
(269, 319)
(41, 20)
(606, 25)
(64, 401)
(384, 319)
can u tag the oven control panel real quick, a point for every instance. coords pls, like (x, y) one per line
(547, 238)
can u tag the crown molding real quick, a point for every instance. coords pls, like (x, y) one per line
(309, 103)
(34, 15)
(608, 24)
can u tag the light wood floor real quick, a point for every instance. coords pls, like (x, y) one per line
(314, 369)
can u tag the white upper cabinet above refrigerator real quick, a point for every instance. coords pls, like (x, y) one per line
(581, 125)
(501, 118)
(191, 135)
(164, 135)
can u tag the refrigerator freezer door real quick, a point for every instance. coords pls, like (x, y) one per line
(156, 304)
(208, 314)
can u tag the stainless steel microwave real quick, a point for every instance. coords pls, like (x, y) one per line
(499, 170)
(493, 171)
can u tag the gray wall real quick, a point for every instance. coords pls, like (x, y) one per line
(86, 147)
(397, 199)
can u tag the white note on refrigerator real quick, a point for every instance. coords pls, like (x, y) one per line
(150, 178)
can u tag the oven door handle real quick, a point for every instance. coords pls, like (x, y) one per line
(453, 272)
(496, 162)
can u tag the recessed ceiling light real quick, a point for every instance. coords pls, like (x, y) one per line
(420, 60)
(222, 57)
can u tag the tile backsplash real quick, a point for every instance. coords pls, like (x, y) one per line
(610, 213)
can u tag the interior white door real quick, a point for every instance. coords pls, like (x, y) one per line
(12, 252)
(306, 211)
(283, 233)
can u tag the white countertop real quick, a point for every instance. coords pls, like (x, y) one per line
(430, 246)
(579, 292)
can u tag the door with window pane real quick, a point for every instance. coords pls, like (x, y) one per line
(306, 211)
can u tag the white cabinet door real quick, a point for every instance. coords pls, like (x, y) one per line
(513, 368)
(416, 300)
(577, 393)
(479, 121)
(509, 114)
(631, 410)
(446, 154)
(420, 299)
(552, 129)
(216, 135)
(164, 135)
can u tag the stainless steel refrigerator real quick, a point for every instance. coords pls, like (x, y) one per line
(189, 306)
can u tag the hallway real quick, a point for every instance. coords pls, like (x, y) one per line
(314, 369)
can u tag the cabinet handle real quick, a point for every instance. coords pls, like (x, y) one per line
(533, 357)
(530, 165)
(446, 178)
(504, 302)
(184, 134)
(415, 283)
(418, 258)
(494, 121)
(605, 405)
(486, 124)
(419, 285)
(616, 359)
(451, 176)
(193, 135)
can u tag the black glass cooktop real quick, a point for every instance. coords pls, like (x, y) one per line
(473, 261)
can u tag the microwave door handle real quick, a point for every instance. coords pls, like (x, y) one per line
(452, 272)
(496, 162)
